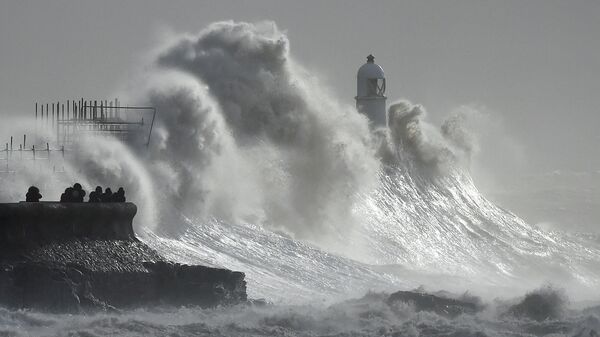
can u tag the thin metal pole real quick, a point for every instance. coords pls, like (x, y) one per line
(36, 118)
(151, 126)
(58, 124)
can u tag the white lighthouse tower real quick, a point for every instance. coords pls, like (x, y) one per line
(370, 92)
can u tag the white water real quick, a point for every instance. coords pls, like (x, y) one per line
(254, 167)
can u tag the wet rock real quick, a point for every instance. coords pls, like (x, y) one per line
(539, 305)
(440, 305)
(181, 284)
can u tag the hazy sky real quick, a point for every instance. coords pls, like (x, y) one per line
(534, 65)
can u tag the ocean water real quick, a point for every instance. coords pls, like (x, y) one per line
(441, 234)
(556, 200)
(366, 317)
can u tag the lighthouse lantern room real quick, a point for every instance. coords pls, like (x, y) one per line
(370, 92)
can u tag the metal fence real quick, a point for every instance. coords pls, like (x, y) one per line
(59, 126)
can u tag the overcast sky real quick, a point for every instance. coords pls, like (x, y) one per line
(534, 65)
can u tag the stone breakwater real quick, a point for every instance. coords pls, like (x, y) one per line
(78, 257)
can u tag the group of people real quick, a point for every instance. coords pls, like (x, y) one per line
(107, 196)
(73, 194)
(76, 194)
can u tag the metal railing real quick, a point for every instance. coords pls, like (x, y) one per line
(59, 126)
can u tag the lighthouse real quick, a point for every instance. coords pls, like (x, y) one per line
(370, 92)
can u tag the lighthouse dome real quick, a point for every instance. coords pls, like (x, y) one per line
(370, 69)
(370, 79)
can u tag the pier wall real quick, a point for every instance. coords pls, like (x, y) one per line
(42, 222)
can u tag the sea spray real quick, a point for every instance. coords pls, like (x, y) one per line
(247, 137)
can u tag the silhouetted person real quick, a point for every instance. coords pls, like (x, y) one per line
(119, 196)
(78, 193)
(95, 196)
(67, 196)
(107, 195)
(33, 194)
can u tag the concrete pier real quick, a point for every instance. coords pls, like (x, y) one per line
(43, 222)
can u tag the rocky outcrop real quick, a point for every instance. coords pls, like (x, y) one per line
(71, 257)
(448, 307)
(540, 305)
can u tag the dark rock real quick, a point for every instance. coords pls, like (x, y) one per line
(205, 286)
(441, 305)
(542, 304)
(79, 257)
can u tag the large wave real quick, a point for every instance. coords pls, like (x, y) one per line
(281, 161)
(246, 136)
